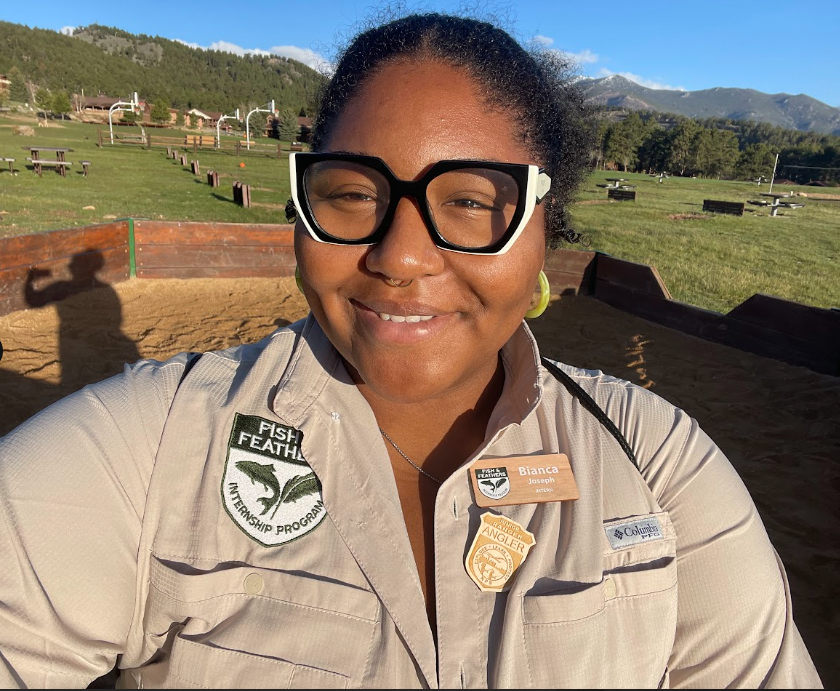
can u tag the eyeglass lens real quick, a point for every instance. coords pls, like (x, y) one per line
(471, 207)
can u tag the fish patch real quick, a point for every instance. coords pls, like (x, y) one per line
(268, 488)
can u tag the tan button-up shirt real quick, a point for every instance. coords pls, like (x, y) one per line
(128, 528)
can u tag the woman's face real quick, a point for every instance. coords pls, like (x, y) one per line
(412, 115)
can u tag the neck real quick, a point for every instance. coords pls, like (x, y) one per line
(440, 433)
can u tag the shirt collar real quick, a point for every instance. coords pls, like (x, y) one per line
(315, 364)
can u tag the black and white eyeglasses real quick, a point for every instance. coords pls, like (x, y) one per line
(471, 207)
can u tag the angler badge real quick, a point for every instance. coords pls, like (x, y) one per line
(499, 548)
(268, 489)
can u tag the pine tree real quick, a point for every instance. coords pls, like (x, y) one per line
(43, 99)
(17, 88)
(682, 140)
(287, 128)
(60, 103)
(160, 111)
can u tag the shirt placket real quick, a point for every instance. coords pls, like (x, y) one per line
(463, 619)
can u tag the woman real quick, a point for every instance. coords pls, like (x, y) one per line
(395, 492)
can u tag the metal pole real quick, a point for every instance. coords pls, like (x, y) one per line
(118, 106)
(774, 174)
(248, 130)
(219, 124)
(248, 120)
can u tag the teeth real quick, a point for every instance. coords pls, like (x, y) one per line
(411, 318)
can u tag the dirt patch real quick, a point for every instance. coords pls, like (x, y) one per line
(687, 217)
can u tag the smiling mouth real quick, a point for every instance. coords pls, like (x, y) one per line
(410, 318)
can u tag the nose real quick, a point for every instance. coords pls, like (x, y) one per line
(407, 250)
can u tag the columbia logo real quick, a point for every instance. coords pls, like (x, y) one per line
(619, 534)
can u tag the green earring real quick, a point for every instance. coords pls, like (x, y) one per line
(297, 279)
(545, 294)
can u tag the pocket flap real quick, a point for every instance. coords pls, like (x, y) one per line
(564, 606)
(186, 584)
(210, 667)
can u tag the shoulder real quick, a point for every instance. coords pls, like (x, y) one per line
(620, 399)
(656, 430)
(137, 400)
(218, 365)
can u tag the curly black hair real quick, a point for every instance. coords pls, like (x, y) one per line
(536, 87)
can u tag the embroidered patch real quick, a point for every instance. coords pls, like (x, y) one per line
(633, 532)
(493, 483)
(268, 488)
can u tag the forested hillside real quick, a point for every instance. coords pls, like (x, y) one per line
(714, 147)
(101, 59)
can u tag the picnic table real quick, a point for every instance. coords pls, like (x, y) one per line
(778, 203)
(59, 162)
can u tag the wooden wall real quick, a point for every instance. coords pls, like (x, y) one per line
(77, 259)
(168, 249)
(765, 325)
(570, 272)
(44, 267)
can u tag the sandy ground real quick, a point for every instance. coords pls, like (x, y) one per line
(778, 424)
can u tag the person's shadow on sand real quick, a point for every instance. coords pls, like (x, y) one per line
(84, 355)
(78, 349)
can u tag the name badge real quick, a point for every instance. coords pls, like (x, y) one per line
(523, 480)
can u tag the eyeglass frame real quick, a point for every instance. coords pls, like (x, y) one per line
(532, 181)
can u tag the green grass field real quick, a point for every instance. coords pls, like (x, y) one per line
(714, 262)
(131, 181)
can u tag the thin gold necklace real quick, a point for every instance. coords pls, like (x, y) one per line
(401, 453)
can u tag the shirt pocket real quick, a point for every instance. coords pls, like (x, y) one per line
(255, 627)
(614, 633)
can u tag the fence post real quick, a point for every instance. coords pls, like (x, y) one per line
(238, 145)
(149, 141)
(278, 149)
(100, 138)
(195, 144)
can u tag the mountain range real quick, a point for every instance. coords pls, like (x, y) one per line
(104, 59)
(798, 112)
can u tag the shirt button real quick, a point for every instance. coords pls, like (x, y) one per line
(609, 588)
(253, 584)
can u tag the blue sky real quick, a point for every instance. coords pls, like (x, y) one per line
(771, 46)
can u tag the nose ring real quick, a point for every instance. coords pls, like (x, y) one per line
(399, 284)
